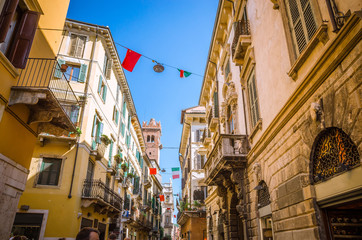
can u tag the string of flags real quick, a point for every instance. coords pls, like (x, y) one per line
(132, 57)
(175, 172)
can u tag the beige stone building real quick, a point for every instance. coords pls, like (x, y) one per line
(282, 91)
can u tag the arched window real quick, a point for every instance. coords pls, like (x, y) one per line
(153, 138)
(230, 120)
(148, 138)
(333, 153)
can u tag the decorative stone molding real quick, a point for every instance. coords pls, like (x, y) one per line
(222, 193)
(257, 172)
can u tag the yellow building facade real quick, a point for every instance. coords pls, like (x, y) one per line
(22, 98)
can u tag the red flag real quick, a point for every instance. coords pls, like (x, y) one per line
(174, 216)
(153, 171)
(130, 60)
(162, 198)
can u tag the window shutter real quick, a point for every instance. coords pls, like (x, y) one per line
(80, 43)
(23, 39)
(122, 129)
(57, 72)
(100, 84)
(109, 68)
(94, 126)
(83, 72)
(6, 16)
(117, 116)
(129, 122)
(309, 19)
(124, 109)
(110, 153)
(197, 136)
(99, 132)
(104, 95)
(73, 44)
(216, 105)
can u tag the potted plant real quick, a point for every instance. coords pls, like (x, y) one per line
(105, 139)
(124, 167)
(77, 132)
(118, 158)
(130, 175)
(63, 68)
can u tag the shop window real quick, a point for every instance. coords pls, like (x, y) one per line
(49, 171)
(333, 153)
(17, 30)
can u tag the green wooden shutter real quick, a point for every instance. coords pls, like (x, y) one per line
(123, 128)
(94, 126)
(117, 116)
(124, 109)
(100, 84)
(129, 122)
(104, 95)
(57, 72)
(110, 153)
(82, 73)
(99, 132)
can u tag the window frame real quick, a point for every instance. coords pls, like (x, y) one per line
(69, 44)
(254, 123)
(60, 173)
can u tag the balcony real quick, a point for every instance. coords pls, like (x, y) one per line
(104, 199)
(213, 118)
(147, 181)
(206, 137)
(228, 153)
(45, 90)
(241, 41)
(147, 205)
(98, 150)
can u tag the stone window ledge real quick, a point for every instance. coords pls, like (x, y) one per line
(320, 36)
(255, 129)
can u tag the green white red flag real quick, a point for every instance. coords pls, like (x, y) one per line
(184, 73)
(175, 173)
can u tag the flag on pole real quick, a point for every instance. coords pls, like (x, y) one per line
(162, 198)
(174, 216)
(175, 173)
(183, 73)
(130, 60)
(153, 171)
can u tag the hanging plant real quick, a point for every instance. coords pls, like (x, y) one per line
(105, 139)
(130, 175)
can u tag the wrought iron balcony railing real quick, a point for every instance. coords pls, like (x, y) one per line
(241, 41)
(229, 151)
(97, 190)
(44, 88)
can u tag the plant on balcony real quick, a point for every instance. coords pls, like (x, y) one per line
(77, 132)
(124, 167)
(130, 175)
(105, 139)
(118, 158)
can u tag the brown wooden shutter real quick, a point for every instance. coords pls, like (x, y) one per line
(6, 16)
(73, 42)
(80, 46)
(23, 39)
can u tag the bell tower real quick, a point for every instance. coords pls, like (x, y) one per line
(152, 136)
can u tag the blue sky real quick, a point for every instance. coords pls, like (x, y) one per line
(174, 32)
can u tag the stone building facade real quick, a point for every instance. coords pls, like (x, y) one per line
(282, 91)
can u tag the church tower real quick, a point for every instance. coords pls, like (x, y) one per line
(152, 136)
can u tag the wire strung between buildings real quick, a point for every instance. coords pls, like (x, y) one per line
(164, 64)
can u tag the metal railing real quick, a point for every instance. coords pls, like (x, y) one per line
(241, 28)
(96, 189)
(46, 73)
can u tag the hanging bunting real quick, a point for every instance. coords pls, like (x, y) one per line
(183, 73)
(130, 60)
(175, 173)
(153, 171)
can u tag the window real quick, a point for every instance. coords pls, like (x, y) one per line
(17, 30)
(253, 99)
(148, 138)
(49, 171)
(110, 153)
(227, 69)
(230, 120)
(216, 105)
(152, 138)
(107, 66)
(102, 89)
(72, 73)
(115, 115)
(96, 131)
(90, 170)
(77, 45)
(302, 22)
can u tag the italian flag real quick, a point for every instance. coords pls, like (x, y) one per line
(175, 173)
(183, 73)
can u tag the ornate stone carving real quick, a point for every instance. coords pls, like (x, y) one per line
(257, 172)
(222, 193)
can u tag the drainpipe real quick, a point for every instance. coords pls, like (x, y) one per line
(82, 112)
